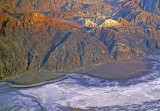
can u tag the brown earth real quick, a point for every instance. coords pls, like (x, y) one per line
(65, 35)
(120, 70)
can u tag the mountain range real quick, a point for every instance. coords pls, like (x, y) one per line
(71, 35)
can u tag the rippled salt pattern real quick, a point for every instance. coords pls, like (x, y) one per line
(81, 91)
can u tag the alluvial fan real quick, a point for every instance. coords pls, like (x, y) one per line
(85, 92)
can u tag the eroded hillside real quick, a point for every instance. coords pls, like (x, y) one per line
(69, 35)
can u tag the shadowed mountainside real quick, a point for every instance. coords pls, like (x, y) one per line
(69, 35)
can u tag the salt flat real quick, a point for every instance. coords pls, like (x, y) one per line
(86, 92)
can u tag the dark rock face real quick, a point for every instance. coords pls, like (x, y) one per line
(75, 35)
(36, 42)
(150, 6)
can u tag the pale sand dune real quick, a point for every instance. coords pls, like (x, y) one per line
(120, 70)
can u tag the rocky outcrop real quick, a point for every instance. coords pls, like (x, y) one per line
(109, 23)
(127, 42)
(36, 42)
(75, 35)
(89, 23)
(150, 6)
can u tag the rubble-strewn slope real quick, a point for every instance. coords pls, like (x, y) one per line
(69, 35)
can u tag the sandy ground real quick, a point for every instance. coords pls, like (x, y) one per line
(37, 78)
(120, 70)
(113, 71)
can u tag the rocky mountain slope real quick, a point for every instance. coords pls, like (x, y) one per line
(150, 6)
(70, 35)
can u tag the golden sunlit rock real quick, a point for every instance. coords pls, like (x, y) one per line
(69, 35)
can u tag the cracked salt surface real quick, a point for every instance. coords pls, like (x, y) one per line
(82, 91)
